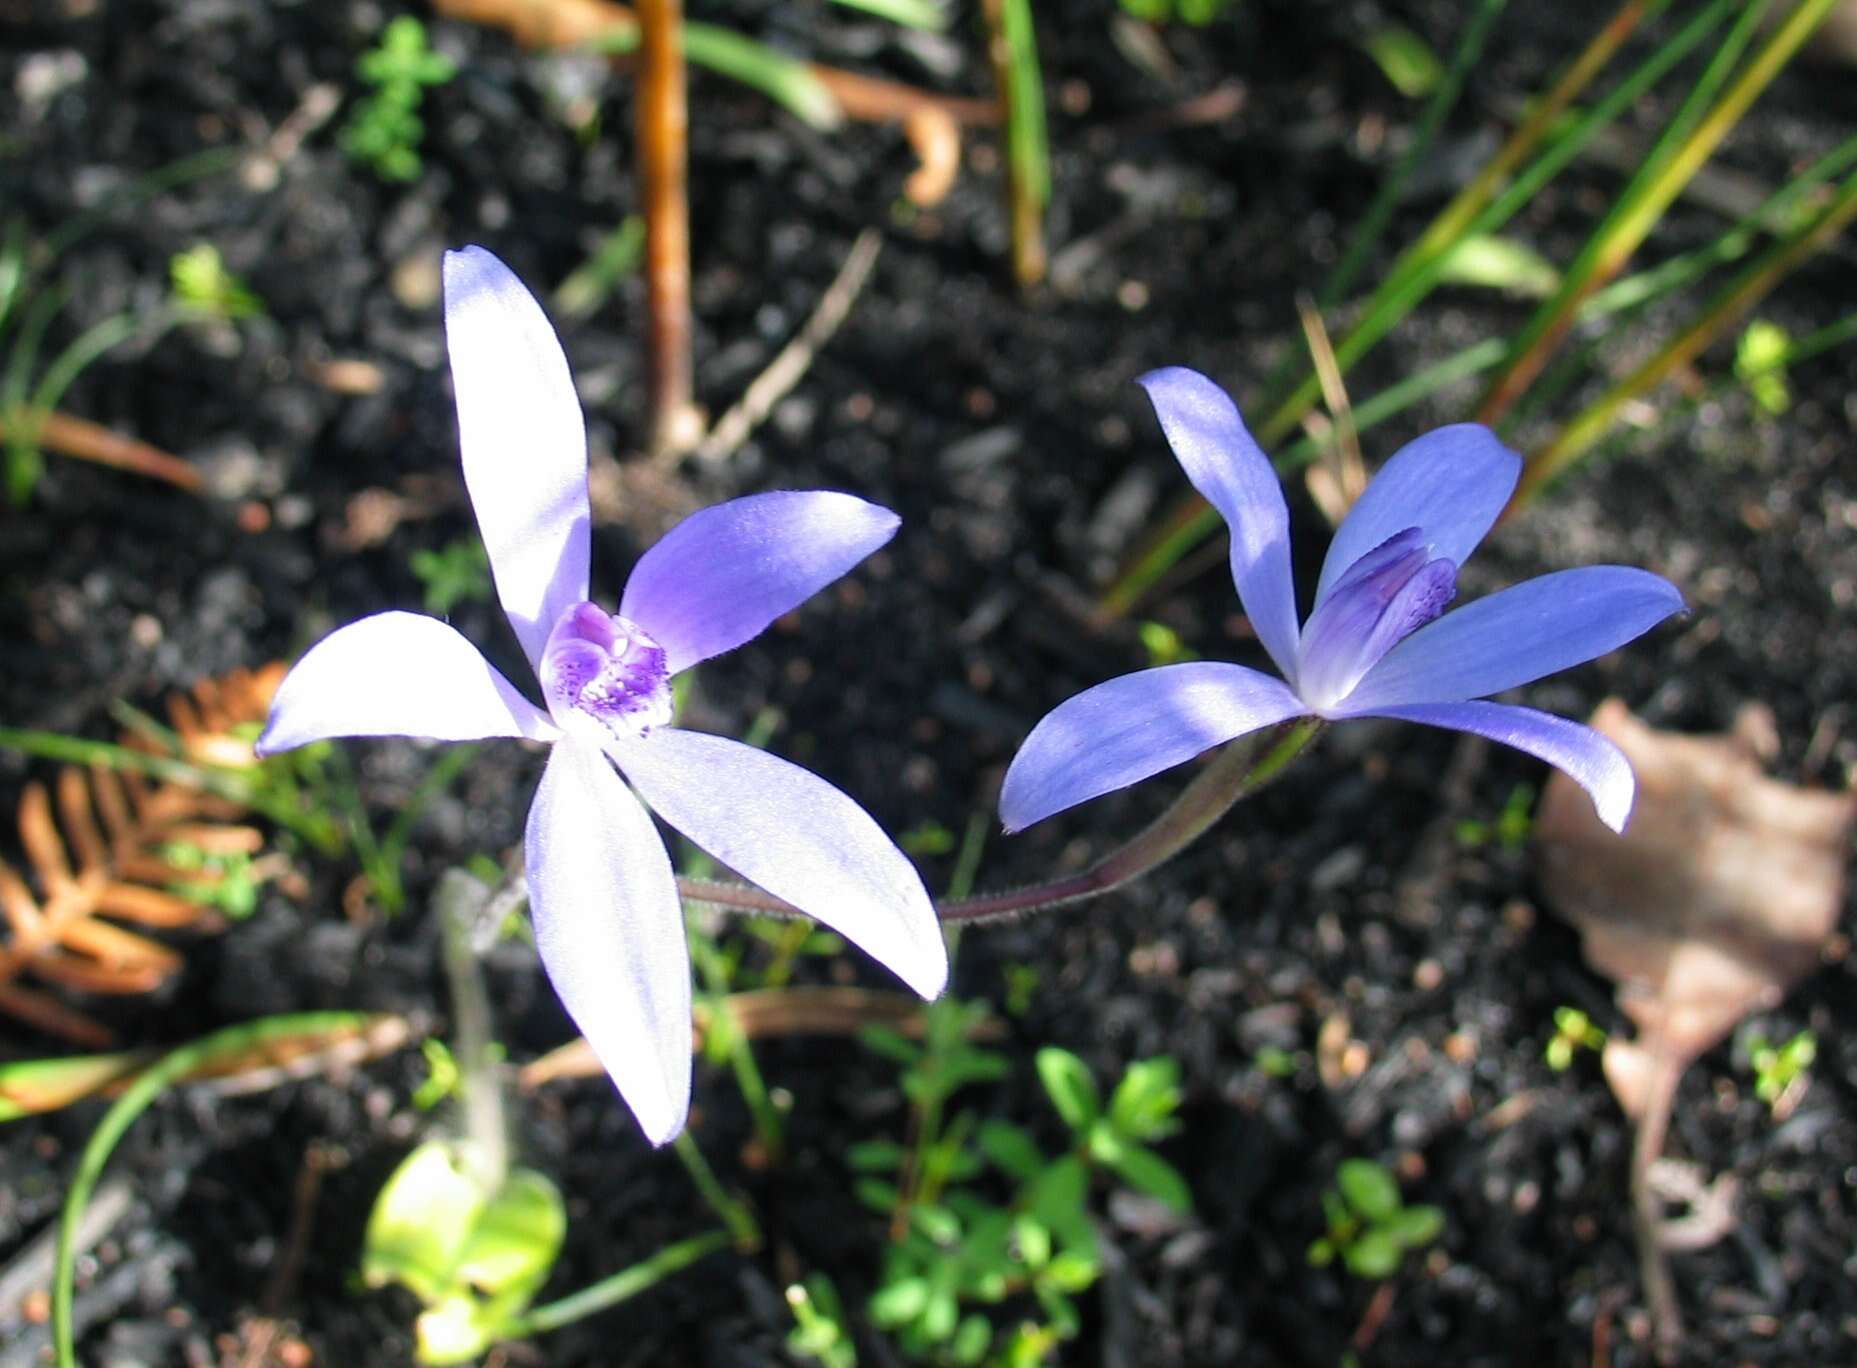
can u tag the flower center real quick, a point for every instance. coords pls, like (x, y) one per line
(601, 666)
(1384, 597)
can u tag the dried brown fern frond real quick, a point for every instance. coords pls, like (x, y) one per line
(102, 852)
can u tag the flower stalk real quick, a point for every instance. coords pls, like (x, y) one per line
(1235, 773)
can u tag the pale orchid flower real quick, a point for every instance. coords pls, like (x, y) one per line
(1374, 645)
(608, 920)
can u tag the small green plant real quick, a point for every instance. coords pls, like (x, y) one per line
(1369, 1228)
(386, 130)
(458, 572)
(1760, 364)
(1197, 13)
(1777, 1070)
(203, 287)
(1163, 644)
(957, 1249)
(228, 883)
(1573, 1031)
(1511, 828)
(474, 1253)
(1022, 982)
(819, 1330)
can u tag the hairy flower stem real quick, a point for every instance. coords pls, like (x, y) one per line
(1236, 772)
(460, 903)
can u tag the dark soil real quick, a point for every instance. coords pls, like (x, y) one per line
(1024, 463)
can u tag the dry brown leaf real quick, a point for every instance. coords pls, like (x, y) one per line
(1721, 895)
(96, 851)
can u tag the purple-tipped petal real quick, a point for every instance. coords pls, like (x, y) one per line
(1450, 484)
(397, 674)
(1230, 470)
(788, 831)
(1582, 754)
(1382, 600)
(524, 443)
(1122, 731)
(721, 576)
(609, 926)
(1518, 635)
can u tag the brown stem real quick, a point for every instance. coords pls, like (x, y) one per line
(1646, 1212)
(1236, 772)
(89, 441)
(663, 148)
(570, 23)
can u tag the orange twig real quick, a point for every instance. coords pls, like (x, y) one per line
(89, 441)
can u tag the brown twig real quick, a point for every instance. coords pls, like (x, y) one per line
(573, 23)
(673, 425)
(786, 369)
(88, 441)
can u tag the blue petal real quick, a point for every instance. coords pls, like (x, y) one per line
(1532, 629)
(1119, 733)
(795, 835)
(397, 674)
(1389, 594)
(1450, 484)
(1582, 754)
(524, 443)
(1225, 465)
(609, 928)
(720, 576)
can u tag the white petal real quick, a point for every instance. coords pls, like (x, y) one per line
(397, 674)
(790, 832)
(524, 443)
(609, 926)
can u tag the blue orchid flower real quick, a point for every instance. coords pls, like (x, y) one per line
(1377, 642)
(608, 922)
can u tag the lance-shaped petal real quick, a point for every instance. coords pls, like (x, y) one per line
(397, 674)
(609, 927)
(524, 443)
(1586, 757)
(1126, 729)
(1232, 473)
(1518, 635)
(1451, 484)
(787, 830)
(720, 576)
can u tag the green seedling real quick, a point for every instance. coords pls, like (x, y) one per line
(458, 572)
(1511, 828)
(442, 1074)
(226, 881)
(1163, 644)
(955, 1249)
(1778, 1070)
(1573, 1031)
(474, 1255)
(1369, 1228)
(1022, 982)
(1760, 364)
(820, 1333)
(1120, 1137)
(1405, 59)
(1273, 1061)
(386, 130)
(1194, 13)
(928, 839)
(203, 287)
